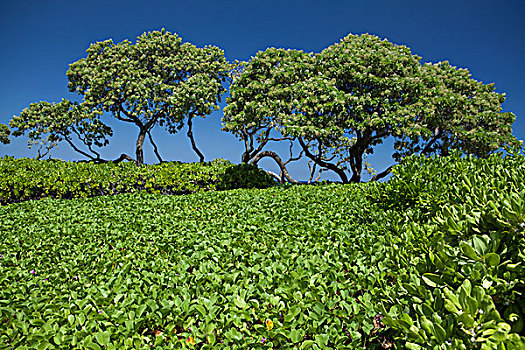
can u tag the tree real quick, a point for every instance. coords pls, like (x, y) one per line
(260, 95)
(427, 109)
(374, 83)
(4, 134)
(353, 95)
(159, 80)
(48, 124)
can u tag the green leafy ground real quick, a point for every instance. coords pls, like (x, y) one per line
(215, 266)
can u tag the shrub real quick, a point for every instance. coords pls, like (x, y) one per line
(24, 179)
(461, 279)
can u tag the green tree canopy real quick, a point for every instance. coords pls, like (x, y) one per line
(344, 101)
(4, 134)
(159, 80)
(50, 123)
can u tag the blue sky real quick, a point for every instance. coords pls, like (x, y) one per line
(40, 38)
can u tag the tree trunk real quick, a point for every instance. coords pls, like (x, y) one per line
(248, 147)
(357, 167)
(278, 160)
(140, 143)
(193, 144)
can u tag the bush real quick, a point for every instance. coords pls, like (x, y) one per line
(25, 179)
(460, 281)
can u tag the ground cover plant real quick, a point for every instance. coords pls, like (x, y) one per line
(433, 259)
(25, 179)
(237, 269)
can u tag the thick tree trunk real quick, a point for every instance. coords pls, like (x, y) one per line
(357, 167)
(278, 160)
(139, 152)
(248, 147)
(193, 144)
(245, 158)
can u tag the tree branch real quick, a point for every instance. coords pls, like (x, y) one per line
(322, 163)
(155, 149)
(131, 117)
(68, 140)
(193, 144)
(279, 162)
(382, 174)
(122, 157)
(119, 117)
(261, 144)
(85, 142)
(312, 171)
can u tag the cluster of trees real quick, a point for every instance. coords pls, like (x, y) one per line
(336, 106)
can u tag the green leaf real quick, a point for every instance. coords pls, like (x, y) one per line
(211, 338)
(492, 259)
(432, 280)
(307, 344)
(440, 333)
(102, 338)
(92, 346)
(201, 310)
(295, 335)
(469, 251)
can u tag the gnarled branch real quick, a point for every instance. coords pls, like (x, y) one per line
(278, 160)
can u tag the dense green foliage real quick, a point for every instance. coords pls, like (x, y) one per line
(460, 257)
(4, 134)
(432, 260)
(158, 80)
(24, 179)
(214, 266)
(341, 103)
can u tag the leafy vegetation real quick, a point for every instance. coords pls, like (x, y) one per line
(243, 268)
(4, 134)
(25, 179)
(460, 264)
(159, 80)
(432, 259)
(341, 103)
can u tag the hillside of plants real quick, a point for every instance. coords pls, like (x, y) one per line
(431, 259)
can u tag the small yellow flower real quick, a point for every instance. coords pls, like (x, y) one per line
(190, 341)
(269, 324)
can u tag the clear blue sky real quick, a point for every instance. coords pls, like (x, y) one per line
(40, 38)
